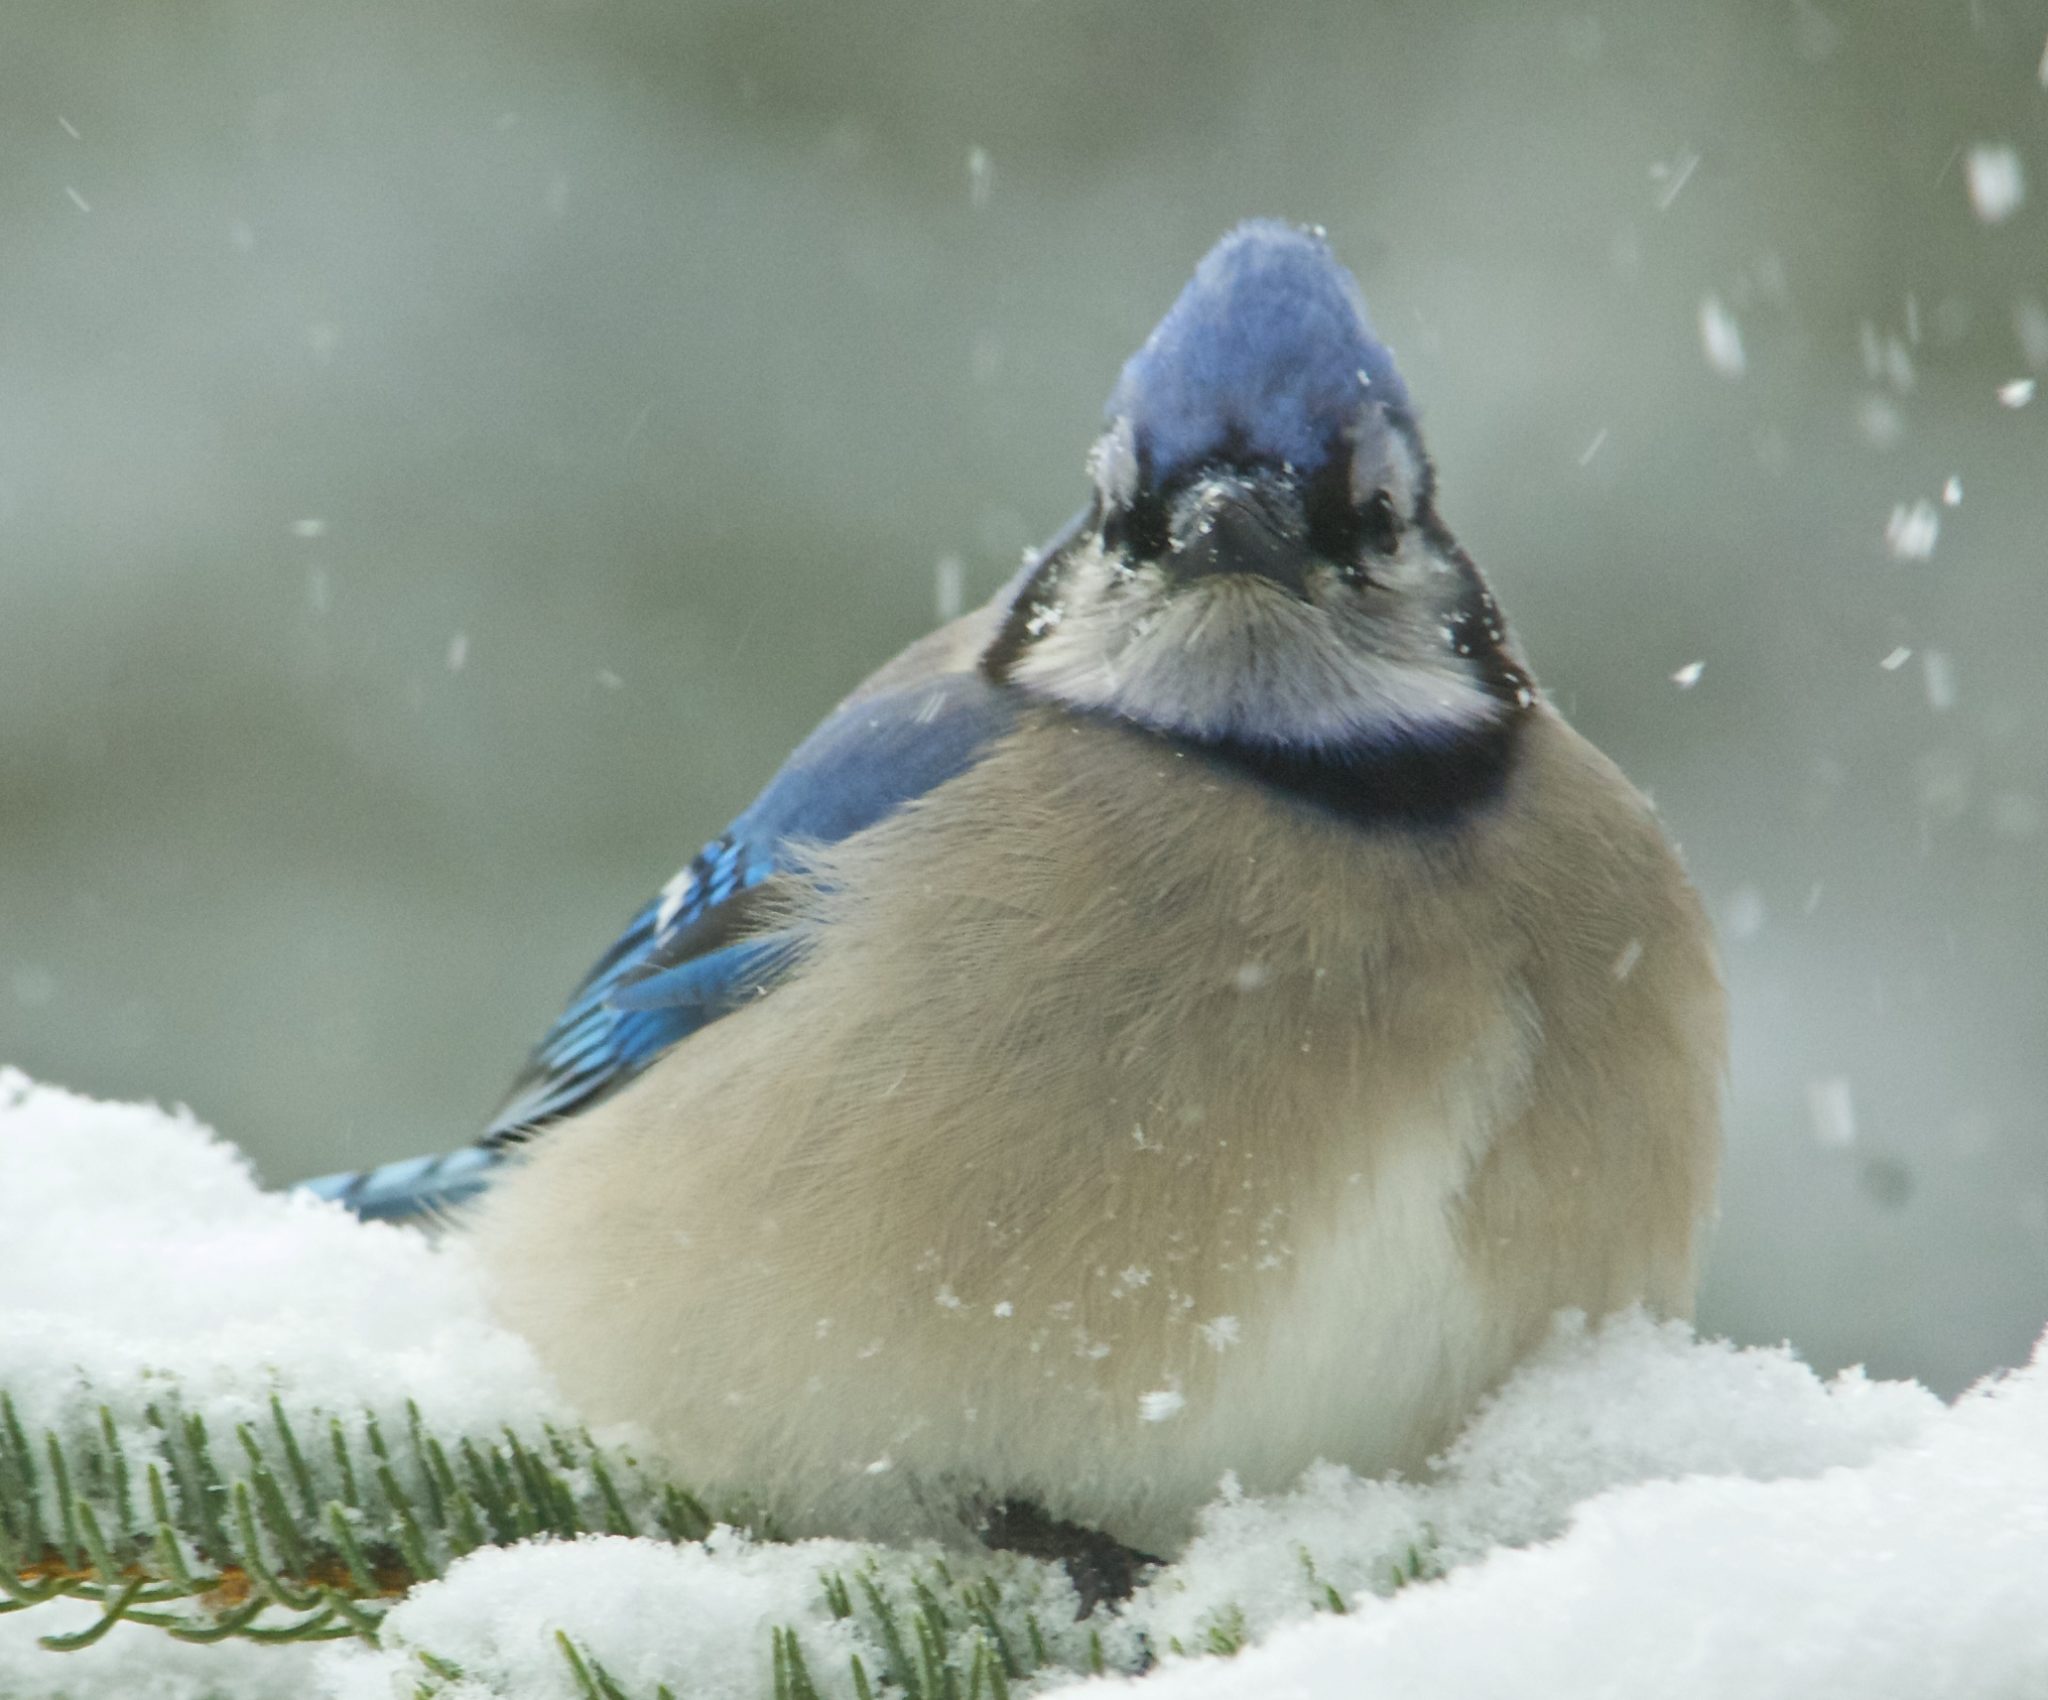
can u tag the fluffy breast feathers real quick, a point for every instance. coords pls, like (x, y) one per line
(1125, 1125)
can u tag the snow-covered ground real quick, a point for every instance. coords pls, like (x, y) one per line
(1638, 1512)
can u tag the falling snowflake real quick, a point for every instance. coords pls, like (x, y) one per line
(1939, 674)
(949, 586)
(1997, 182)
(1832, 1107)
(1911, 533)
(1161, 1405)
(1721, 337)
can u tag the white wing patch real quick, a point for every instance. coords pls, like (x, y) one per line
(673, 896)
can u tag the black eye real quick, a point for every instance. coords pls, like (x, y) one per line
(1342, 531)
(1379, 524)
(1138, 529)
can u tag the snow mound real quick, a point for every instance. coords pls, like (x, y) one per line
(1917, 1572)
(136, 1244)
(1601, 1409)
(644, 1610)
(1636, 1512)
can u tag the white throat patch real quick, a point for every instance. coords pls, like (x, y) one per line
(1232, 657)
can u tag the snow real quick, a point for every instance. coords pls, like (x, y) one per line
(1672, 178)
(1161, 1405)
(1997, 182)
(1638, 1511)
(138, 1664)
(1939, 670)
(949, 587)
(1916, 1572)
(981, 177)
(1911, 533)
(1831, 1105)
(1721, 338)
(136, 1243)
(644, 1610)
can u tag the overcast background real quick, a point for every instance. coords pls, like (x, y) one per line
(450, 452)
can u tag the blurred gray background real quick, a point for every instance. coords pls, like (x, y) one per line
(450, 452)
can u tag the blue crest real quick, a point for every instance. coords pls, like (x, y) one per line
(1268, 355)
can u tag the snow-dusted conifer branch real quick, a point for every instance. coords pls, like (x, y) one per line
(275, 1539)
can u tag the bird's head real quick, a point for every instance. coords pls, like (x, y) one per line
(1261, 563)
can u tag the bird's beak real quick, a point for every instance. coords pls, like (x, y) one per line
(1230, 524)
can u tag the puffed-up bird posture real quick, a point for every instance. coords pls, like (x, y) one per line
(1202, 1012)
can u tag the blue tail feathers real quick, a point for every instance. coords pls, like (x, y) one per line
(412, 1187)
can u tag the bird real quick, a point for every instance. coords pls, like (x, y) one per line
(1201, 1013)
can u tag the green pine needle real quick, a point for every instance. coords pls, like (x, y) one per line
(258, 1537)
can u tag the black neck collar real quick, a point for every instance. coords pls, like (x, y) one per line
(1431, 782)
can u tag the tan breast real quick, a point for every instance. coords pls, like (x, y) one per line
(1126, 1126)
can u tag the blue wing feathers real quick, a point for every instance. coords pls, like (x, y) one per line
(697, 951)
(713, 984)
(705, 944)
(414, 1186)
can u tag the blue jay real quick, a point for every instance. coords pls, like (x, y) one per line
(1200, 1013)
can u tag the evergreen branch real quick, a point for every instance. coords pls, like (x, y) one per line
(283, 1543)
(258, 1537)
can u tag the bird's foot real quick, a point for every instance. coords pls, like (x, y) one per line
(1103, 1570)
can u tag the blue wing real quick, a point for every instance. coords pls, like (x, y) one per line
(697, 950)
(597, 1044)
(702, 946)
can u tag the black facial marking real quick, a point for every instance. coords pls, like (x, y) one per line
(1139, 529)
(1037, 604)
(1478, 632)
(1379, 524)
(1334, 523)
